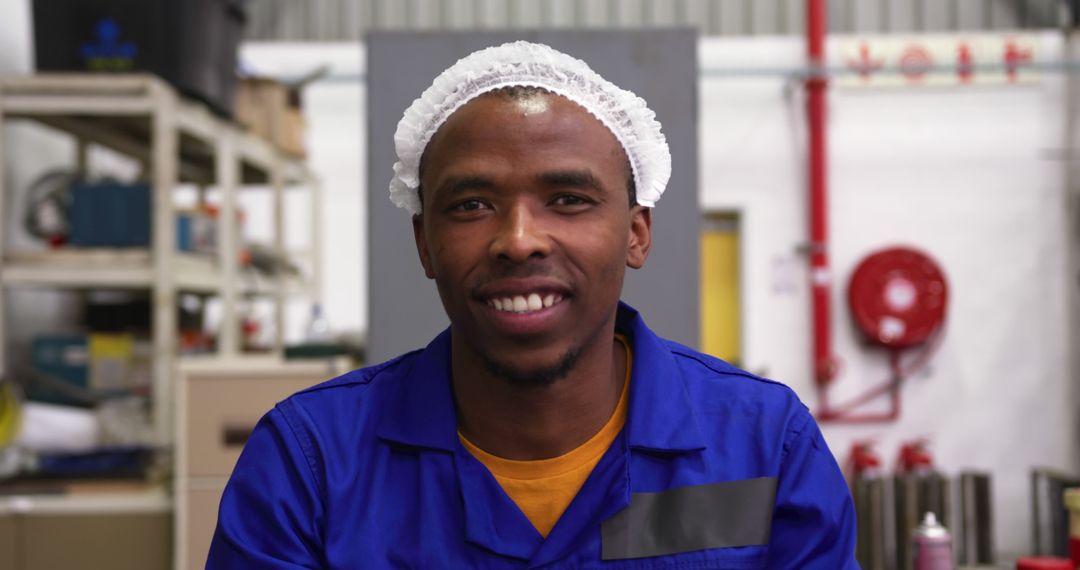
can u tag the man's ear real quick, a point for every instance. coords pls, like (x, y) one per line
(640, 237)
(421, 245)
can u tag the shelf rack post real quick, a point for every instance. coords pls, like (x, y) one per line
(277, 182)
(3, 243)
(82, 156)
(315, 190)
(227, 167)
(165, 144)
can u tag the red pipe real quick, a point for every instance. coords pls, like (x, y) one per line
(842, 414)
(824, 362)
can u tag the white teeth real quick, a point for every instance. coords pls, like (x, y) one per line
(524, 303)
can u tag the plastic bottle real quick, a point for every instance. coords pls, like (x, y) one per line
(931, 545)
(318, 328)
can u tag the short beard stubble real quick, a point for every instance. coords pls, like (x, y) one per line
(537, 378)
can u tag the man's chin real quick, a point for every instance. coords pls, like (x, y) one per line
(541, 374)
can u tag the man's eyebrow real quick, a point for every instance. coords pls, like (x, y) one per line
(457, 184)
(571, 178)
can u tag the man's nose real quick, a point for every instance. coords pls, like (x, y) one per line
(521, 236)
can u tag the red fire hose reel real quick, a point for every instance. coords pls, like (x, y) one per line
(898, 298)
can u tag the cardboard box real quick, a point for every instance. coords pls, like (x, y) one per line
(270, 109)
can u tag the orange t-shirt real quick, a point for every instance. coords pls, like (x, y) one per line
(542, 489)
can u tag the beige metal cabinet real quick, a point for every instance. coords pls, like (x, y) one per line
(7, 543)
(201, 519)
(115, 531)
(118, 541)
(219, 404)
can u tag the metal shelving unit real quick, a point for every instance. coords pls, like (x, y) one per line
(177, 141)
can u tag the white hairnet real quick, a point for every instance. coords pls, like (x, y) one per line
(528, 64)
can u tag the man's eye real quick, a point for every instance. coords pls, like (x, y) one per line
(469, 205)
(570, 200)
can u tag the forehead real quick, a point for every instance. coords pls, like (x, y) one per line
(522, 120)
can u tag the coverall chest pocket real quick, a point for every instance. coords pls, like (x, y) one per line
(715, 525)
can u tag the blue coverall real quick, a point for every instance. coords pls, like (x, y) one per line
(715, 468)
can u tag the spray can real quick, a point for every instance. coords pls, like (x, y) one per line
(931, 545)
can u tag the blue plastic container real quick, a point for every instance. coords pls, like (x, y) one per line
(110, 215)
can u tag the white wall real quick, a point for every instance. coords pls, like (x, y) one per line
(965, 174)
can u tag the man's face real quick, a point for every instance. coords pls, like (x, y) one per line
(527, 230)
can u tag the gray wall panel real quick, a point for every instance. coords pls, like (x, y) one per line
(660, 65)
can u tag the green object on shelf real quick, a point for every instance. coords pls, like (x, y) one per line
(314, 350)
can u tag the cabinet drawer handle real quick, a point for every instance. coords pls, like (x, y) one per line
(236, 435)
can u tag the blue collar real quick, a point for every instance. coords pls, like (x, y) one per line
(420, 410)
(661, 416)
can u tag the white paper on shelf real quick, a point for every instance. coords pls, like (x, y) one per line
(50, 428)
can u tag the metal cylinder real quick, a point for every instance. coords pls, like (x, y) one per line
(869, 495)
(915, 495)
(975, 538)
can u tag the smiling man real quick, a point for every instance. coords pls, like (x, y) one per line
(548, 426)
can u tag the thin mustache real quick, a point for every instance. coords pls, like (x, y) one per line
(522, 272)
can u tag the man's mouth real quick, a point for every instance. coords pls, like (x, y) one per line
(524, 303)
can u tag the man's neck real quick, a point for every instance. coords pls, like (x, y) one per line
(529, 422)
